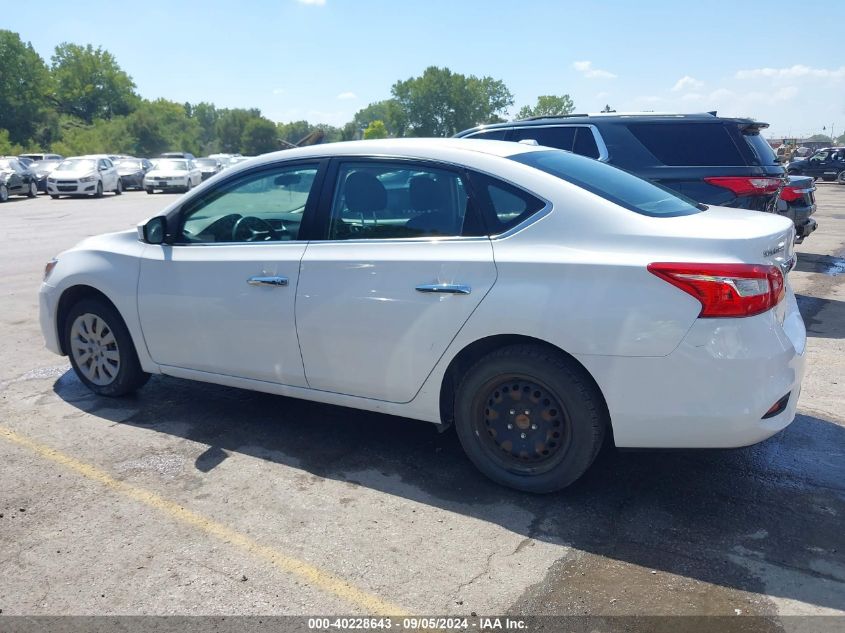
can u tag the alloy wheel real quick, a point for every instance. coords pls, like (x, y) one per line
(94, 348)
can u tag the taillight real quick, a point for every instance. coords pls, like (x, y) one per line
(726, 290)
(790, 194)
(746, 185)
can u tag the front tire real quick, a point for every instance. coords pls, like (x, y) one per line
(4, 193)
(530, 418)
(99, 192)
(150, 191)
(101, 350)
(33, 190)
(54, 196)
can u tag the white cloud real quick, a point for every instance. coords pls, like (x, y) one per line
(316, 3)
(343, 96)
(792, 72)
(586, 69)
(687, 83)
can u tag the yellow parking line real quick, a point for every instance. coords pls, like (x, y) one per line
(369, 603)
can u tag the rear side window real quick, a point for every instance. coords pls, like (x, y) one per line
(688, 144)
(557, 137)
(585, 143)
(505, 204)
(762, 152)
(610, 183)
(491, 135)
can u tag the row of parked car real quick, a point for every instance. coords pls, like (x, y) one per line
(710, 159)
(96, 174)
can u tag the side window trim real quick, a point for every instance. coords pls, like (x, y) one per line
(604, 155)
(175, 218)
(323, 215)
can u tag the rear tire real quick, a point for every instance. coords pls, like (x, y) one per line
(100, 349)
(840, 178)
(4, 193)
(119, 189)
(530, 418)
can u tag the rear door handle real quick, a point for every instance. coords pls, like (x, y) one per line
(267, 281)
(451, 289)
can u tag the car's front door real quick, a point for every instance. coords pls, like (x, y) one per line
(221, 298)
(404, 264)
(817, 164)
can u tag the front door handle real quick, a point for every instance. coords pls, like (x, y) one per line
(451, 289)
(267, 281)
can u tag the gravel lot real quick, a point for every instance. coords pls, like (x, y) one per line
(199, 499)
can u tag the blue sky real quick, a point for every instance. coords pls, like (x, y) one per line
(322, 60)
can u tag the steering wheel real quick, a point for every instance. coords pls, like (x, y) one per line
(252, 229)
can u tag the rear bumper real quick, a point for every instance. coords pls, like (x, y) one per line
(714, 390)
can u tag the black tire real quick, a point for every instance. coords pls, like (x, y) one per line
(189, 186)
(119, 188)
(129, 376)
(578, 426)
(4, 193)
(54, 196)
(150, 191)
(33, 189)
(99, 192)
(840, 177)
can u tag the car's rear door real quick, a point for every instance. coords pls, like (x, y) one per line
(221, 298)
(403, 262)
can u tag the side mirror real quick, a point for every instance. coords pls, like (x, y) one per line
(155, 230)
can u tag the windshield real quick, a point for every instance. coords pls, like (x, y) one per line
(45, 165)
(5, 163)
(130, 164)
(169, 163)
(207, 162)
(77, 165)
(610, 183)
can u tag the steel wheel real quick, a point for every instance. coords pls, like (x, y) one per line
(4, 193)
(522, 424)
(94, 348)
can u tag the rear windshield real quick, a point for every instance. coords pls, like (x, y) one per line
(610, 183)
(689, 144)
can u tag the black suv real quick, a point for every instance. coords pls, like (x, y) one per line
(827, 164)
(711, 159)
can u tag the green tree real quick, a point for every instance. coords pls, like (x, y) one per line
(230, 127)
(388, 112)
(441, 103)
(206, 115)
(259, 137)
(159, 126)
(6, 145)
(294, 132)
(100, 137)
(376, 129)
(841, 139)
(820, 137)
(548, 105)
(25, 86)
(90, 84)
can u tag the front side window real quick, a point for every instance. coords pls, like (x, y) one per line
(383, 200)
(819, 157)
(490, 135)
(266, 206)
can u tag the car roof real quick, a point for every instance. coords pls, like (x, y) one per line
(427, 148)
(615, 117)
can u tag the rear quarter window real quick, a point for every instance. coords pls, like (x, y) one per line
(689, 144)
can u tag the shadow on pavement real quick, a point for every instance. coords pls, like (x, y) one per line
(714, 516)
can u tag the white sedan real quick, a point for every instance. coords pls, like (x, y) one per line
(538, 300)
(172, 174)
(84, 175)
